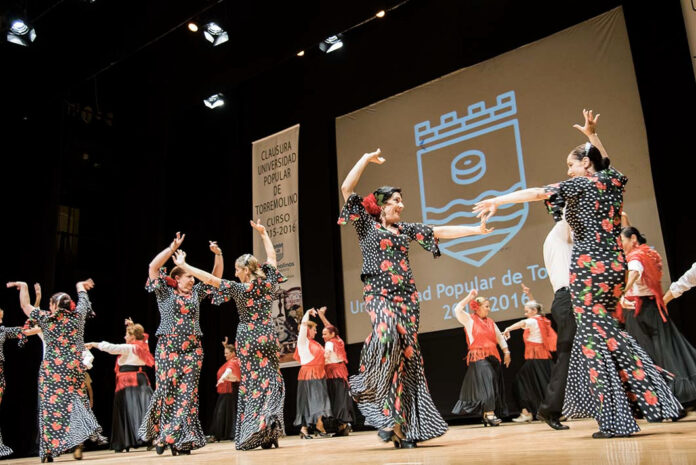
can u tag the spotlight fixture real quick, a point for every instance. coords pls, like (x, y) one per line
(214, 101)
(381, 13)
(214, 34)
(21, 33)
(300, 53)
(331, 44)
(193, 27)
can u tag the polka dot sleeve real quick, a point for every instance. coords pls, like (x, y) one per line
(84, 306)
(13, 332)
(273, 276)
(561, 193)
(159, 285)
(354, 212)
(611, 176)
(227, 290)
(423, 235)
(203, 290)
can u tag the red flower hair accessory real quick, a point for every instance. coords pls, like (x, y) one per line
(72, 305)
(474, 305)
(370, 204)
(171, 282)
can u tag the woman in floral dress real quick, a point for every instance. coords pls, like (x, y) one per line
(261, 390)
(65, 419)
(390, 389)
(610, 376)
(172, 417)
(5, 333)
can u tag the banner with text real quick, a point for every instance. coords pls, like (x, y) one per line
(274, 199)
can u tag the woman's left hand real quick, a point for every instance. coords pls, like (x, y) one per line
(179, 257)
(258, 226)
(485, 209)
(590, 126)
(506, 359)
(215, 248)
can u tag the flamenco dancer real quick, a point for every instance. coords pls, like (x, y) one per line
(390, 389)
(646, 318)
(5, 333)
(172, 416)
(313, 403)
(65, 419)
(335, 359)
(261, 390)
(133, 391)
(533, 378)
(610, 375)
(483, 389)
(224, 422)
(680, 286)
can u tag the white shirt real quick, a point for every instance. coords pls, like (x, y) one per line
(468, 323)
(126, 351)
(534, 332)
(558, 248)
(686, 282)
(303, 342)
(639, 288)
(329, 355)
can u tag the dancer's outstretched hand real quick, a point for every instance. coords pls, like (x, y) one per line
(258, 226)
(375, 157)
(590, 126)
(16, 284)
(485, 209)
(215, 248)
(176, 243)
(179, 258)
(482, 226)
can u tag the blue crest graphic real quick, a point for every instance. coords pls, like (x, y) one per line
(453, 162)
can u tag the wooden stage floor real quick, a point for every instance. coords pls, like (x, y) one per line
(510, 443)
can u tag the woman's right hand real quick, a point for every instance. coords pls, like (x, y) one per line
(37, 291)
(224, 342)
(590, 126)
(176, 243)
(179, 258)
(16, 284)
(258, 226)
(322, 311)
(375, 157)
(472, 294)
(486, 208)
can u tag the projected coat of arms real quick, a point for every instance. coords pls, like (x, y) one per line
(468, 158)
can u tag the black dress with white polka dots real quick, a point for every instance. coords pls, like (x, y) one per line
(65, 419)
(610, 377)
(172, 417)
(5, 333)
(391, 387)
(261, 389)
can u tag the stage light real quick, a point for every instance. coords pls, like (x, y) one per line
(331, 44)
(21, 33)
(300, 53)
(381, 13)
(193, 27)
(214, 34)
(214, 101)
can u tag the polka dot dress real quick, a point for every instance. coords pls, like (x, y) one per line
(610, 378)
(65, 419)
(391, 387)
(261, 389)
(5, 333)
(172, 416)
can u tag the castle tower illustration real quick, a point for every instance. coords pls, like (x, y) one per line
(468, 158)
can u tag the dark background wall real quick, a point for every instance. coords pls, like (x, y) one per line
(157, 161)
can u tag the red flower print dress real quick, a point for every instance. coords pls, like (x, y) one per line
(261, 390)
(391, 387)
(172, 417)
(65, 419)
(610, 376)
(5, 333)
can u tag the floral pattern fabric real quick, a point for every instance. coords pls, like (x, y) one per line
(65, 419)
(610, 376)
(261, 389)
(172, 416)
(5, 333)
(390, 387)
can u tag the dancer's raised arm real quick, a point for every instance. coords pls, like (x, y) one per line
(219, 264)
(37, 295)
(162, 257)
(267, 244)
(203, 276)
(24, 300)
(348, 186)
(590, 130)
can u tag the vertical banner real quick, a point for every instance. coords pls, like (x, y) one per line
(689, 10)
(274, 200)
